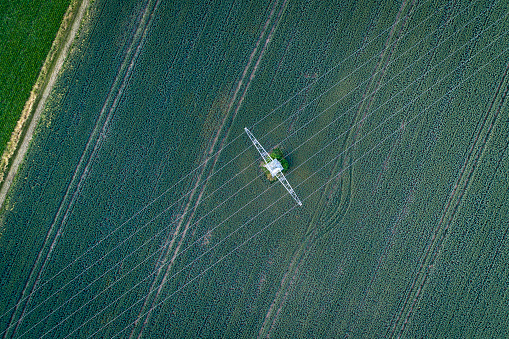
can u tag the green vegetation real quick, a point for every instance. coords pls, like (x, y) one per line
(27, 30)
(278, 154)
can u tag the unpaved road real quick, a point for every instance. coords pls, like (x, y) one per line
(20, 149)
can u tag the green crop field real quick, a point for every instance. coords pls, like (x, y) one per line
(27, 29)
(140, 209)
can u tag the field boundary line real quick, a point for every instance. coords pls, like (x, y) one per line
(86, 160)
(14, 152)
(33, 109)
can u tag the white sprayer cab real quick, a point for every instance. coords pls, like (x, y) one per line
(274, 167)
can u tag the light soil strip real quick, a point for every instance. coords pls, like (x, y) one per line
(74, 16)
(94, 143)
(39, 94)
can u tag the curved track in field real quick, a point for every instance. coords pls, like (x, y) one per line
(335, 198)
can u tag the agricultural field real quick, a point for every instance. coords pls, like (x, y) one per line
(140, 209)
(27, 30)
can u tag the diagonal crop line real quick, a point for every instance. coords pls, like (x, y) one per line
(281, 197)
(233, 140)
(288, 211)
(224, 201)
(453, 203)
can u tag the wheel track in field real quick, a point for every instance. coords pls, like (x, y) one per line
(81, 172)
(286, 287)
(382, 64)
(403, 212)
(337, 192)
(346, 182)
(461, 185)
(216, 145)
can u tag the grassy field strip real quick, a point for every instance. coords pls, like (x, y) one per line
(48, 27)
(452, 205)
(49, 85)
(254, 217)
(251, 181)
(94, 142)
(141, 210)
(24, 146)
(167, 262)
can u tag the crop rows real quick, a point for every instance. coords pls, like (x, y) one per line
(175, 185)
